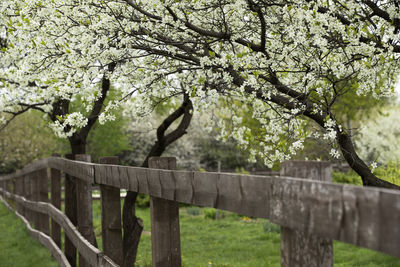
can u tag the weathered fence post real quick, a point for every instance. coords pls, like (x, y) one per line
(297, 248)
(84, 208)
(19, 190)
(165, 232)
(35, 196)
(43, 196)
(3, 186)
(55, 176)
(28, 195)
(111, 215)
(70, 211)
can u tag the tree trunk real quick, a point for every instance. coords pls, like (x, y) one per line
(358, 165)
(78, 146)
(133, 227)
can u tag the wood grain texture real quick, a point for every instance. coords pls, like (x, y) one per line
(164, 215)
(328, 210)
(80, 170)
(43, 187)
(84, 209)
(19, 190)
(70, 208)
(304, 248)
(35, 197)
(111, 224)
(55, 180)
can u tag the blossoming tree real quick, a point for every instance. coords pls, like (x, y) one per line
(289, 62)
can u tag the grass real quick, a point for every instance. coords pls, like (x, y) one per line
(17, 248)
(236, 241)
(233, 241)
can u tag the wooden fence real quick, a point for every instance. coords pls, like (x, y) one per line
(311, 212)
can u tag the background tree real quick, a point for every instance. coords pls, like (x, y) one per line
(16, 150)
(377, 139)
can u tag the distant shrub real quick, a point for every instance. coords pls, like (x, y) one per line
(194, 211)
(389, 172)
(143, 201)
(210, 213)
(271, 228)
(346, 178)
(241, 170)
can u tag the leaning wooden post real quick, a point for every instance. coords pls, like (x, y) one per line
(297, 248)
(55, 177)
(43, 196)
(111, 215)
(70, 211)
(84, 207)
(165, 235)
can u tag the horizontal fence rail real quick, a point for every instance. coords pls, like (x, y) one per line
(363, 216)
(41, 237)
(92, 254)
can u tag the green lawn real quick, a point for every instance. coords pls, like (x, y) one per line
(231, 241)
(17, 248)
(237, 241)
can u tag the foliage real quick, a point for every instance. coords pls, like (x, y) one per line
(271, 228)
(290, 62)
(317, 61)
(389, 172)
(143, 201)
(378, 139)
(109, 139)
(209, 213)
(346, 178)
(194, 211)
(25, 139)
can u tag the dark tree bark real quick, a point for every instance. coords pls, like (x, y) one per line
(358, 165)
(132, 225)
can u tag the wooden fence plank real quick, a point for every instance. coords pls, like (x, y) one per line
(205, 189)
(35, 196)
(84, 209)
(165, 232)
(184, 187)
(328, 210)
(303, 248)
(19, 190)
(70, 211)
(27, 195)
(55, 177)
(111, 216)
(43, 187)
